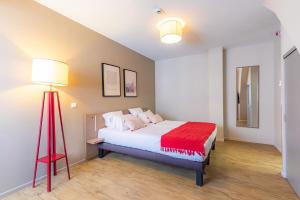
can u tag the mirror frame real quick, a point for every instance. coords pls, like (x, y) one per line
(258, 97)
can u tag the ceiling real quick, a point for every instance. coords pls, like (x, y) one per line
(209, 23)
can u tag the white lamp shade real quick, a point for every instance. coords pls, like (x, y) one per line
(171, 30)
(49, 72)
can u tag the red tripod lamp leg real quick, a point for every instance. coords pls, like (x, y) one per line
(63, 134)
(53, 133)
(49, 138)
(39, 141)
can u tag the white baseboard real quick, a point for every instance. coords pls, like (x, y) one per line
(283, 174)
(38, 180)
(278, 148)
(249, 141)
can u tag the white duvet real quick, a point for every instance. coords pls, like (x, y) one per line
(148, 139)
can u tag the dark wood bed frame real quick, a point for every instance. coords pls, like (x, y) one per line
(95, 121)
(199, 167)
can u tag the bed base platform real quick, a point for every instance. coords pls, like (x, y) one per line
(199, 167)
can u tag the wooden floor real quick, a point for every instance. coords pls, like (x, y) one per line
(237, 171)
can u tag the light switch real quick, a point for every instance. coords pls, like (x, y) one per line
(73, 105)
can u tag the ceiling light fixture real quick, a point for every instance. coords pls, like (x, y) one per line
(171, 30)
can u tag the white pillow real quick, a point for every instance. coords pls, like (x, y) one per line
(135, 111)
(145, 116)
(108, 117)
(128, 116)
(118, 123)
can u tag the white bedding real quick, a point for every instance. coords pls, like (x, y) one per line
(148, 139)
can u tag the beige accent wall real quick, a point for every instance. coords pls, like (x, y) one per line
(29, 30)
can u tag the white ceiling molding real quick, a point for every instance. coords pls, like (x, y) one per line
(211, 23)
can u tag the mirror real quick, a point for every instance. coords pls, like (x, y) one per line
(247, 90)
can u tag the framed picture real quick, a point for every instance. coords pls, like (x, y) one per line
(111, 80)
(130, 83)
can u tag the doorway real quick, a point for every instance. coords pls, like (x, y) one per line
(292, 117)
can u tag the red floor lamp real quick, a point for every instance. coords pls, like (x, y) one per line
(51, 73)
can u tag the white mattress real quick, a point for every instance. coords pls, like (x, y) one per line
(148, 139)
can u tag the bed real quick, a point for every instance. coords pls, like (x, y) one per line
(145, 143)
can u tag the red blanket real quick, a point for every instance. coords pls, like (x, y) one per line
(188, 138)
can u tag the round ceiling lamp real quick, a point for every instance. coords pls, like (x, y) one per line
(171, 30)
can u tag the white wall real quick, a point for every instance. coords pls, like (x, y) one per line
(277, 95)
(190, 88)
(216, 95)
(264, 55)
(181, 88)
(286, 42)
(288, 13)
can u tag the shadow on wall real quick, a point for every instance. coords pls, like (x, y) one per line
(225, 129)
(13, 77)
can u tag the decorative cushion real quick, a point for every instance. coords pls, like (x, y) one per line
(149, 113)
(108, 117)
(134, 123)
(156, 118)
(144, 118)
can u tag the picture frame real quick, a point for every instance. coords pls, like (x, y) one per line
(111, 80)
(130, 83)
